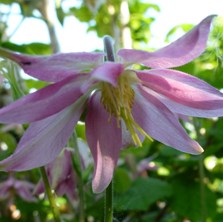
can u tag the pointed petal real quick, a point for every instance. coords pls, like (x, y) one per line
(61, 168)
(56, 67)
(108, 72)
(161, 124)
(183, 93)
(44, 102)
(178, 53)
(61, 175)
(43, 140)
(24, 190)
(104, 140)
(39, 188)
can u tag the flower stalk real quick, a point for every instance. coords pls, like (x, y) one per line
(108, 217)
(78, 170)
(50, 195)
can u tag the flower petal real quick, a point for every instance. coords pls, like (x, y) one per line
(108, 72)
(183, 93)
(178, 53)
(44, 102)
(161, 124)
(24, 190)
(61, 175)
(56, 67)
(104, 139)
(43, 140)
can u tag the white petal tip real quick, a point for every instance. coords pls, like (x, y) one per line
(198, 149)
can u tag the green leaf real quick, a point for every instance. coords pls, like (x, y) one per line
(183, 27)
(142, 193)
(83, 13)
(35, 48)
(34, 84)
(191, 201)
(9, 143)
(60, 15)
(7, 2)
(8, 139)
(122, 180)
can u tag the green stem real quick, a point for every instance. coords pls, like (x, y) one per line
(108, 217)
(50, 195)
(78, 169)
(7, 54)
(203, 210)
(202, 189)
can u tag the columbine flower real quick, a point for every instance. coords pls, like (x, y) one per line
(61, 176)
(123, 105)
(12, 187)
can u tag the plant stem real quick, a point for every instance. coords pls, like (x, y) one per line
(78, 169)
(203, 210)
(202, 189)
(108, 217)
(50, 195)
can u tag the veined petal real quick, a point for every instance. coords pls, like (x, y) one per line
(56, 67)
(104, 140)
(108, 72)
(43, 140)
(161, 124)
(183, 93)
(178, 53)
(44, 102)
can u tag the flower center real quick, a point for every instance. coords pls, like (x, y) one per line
(120, 98)
(118, 102)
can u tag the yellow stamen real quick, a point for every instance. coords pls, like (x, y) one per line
(118, 101)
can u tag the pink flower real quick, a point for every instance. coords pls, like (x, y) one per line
(123, 105)
(61, 176)
(12, 186)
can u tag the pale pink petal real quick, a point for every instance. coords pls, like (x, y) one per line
(56, 67)
(39, 189)
(183, 93)
(61, 169)
(43, 140)
(108, 72)
(61, 176)
(161, 124)
(68, 188)
(24, 190)
(178, 53)
(5, 189)
(44, 102)
(104, 139)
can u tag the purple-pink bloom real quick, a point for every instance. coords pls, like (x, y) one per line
(123, 105)
(61, 176)
(12, 187)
